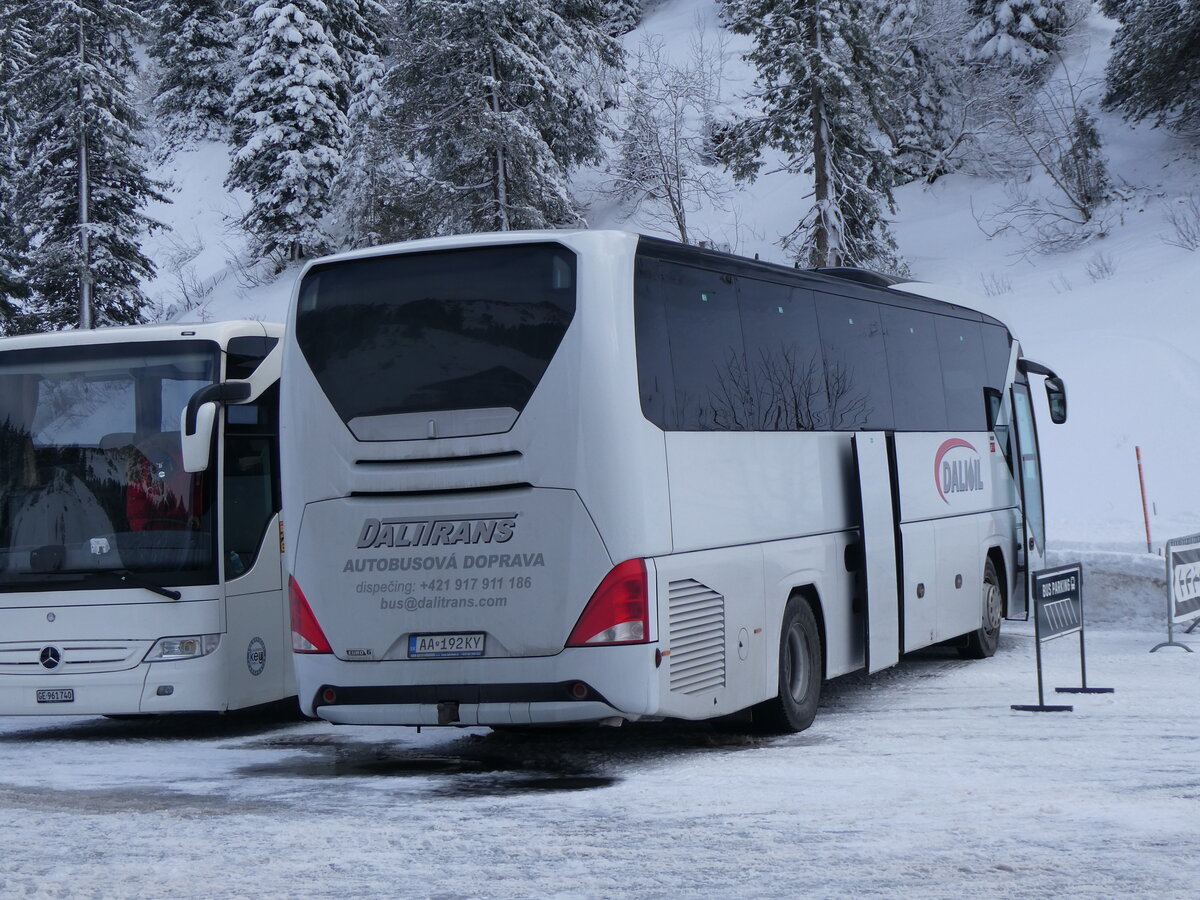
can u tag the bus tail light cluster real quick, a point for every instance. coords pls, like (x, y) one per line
(307, 636)
(619, 610)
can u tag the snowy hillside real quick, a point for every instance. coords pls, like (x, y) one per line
(1114, 316)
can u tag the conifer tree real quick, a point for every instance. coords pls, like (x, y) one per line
(1022, 34)
(817, 86)
(290, 124)
(492, 104)
(1154, 70)
(622, 15)
(358, 28)
(195, 49)
(919, 39)
(15, 55)
(84, 180)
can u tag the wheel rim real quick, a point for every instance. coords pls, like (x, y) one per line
(798, 665)
(991, 605)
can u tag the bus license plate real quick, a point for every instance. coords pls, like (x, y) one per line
(429, 646)
(56, 695)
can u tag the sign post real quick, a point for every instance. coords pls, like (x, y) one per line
(1058, 612)
(1183, 587)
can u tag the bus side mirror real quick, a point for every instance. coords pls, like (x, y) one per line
(1056, 396)
(199, 418)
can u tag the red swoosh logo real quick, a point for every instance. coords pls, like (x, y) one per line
(937, 461)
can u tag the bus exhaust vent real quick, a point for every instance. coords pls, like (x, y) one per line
(697, 635)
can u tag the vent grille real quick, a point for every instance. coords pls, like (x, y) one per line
(697, 634)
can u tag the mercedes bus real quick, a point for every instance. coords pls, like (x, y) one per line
(134, 580)
(591, 476)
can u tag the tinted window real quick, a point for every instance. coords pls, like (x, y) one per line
(783, 357)
(856, 374)
(245, 352)
(708, 358)
(915, 369)
(426, 332)
(251, 479)
(963, 373)
(997, 346)
(656, 383)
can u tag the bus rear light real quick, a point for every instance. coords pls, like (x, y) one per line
(619, 610)
(307, 636)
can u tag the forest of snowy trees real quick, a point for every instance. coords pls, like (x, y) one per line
(355, 122)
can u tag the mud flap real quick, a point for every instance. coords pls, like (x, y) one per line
(877, 505)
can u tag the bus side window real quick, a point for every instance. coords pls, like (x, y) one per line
(915, 369)
(251, 480)
(964, 371)
(856, 371)
(783, 356)
(708, 357)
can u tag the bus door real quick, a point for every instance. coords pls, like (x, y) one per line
(1031, 551)
(880, 565)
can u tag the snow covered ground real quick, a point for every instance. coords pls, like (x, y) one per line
(919, 781)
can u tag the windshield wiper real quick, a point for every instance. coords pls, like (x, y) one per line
(134, 580)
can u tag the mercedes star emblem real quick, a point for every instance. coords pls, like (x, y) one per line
(51, 657)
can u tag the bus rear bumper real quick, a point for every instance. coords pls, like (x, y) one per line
(545, 713)
(577, 685)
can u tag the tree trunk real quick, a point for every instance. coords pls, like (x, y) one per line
(86, 317)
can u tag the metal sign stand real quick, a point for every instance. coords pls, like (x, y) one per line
(1037, 641)
(1058, 611)
(1185, 554)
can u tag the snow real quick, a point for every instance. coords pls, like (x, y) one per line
(918, 781)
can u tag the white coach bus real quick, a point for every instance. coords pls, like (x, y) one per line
(591, 476)
(133, 580)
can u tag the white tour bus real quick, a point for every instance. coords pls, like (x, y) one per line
(591, 476)
(128, 584)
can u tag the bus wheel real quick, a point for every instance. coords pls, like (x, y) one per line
(982, 643)
(800, 674)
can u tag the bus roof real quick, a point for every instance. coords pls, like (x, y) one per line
(220, 332)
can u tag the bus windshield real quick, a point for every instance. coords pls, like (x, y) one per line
(92, 484)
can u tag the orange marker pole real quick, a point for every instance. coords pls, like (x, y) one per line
(1142, 485)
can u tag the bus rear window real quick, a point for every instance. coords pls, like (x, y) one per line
(424, 333)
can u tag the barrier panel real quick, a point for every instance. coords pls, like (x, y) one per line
(1058, 612)
(1183, 587)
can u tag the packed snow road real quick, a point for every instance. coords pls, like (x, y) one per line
(919, 781)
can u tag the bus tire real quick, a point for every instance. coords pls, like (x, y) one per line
(801, 671)
(982, 643)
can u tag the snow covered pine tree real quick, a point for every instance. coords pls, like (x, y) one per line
(492, 104)
(818, 85)
(195, 49)
(84, 180)
(1154, 70)
(290, 125)
(1023, 34)
(15, 55)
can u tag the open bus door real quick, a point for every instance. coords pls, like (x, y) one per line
(876, 494)
(1031, 552)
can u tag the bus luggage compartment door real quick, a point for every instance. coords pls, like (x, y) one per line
(877, 503)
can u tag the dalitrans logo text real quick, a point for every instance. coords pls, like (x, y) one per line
(490, 529)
